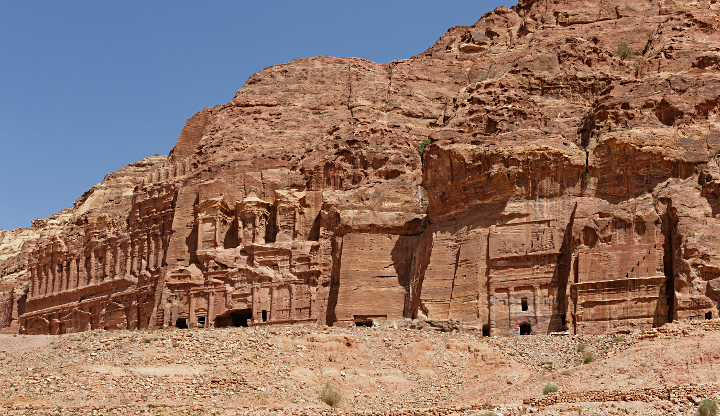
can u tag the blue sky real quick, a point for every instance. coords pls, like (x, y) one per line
(87, 87)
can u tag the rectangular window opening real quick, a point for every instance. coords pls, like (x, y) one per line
(524, 304)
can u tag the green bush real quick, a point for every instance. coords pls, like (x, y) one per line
(588, 357)
(423, 145)
(587, 177)
(329, 395)
(624, 51)
(550, 388)
(580, 347)
(708, 408)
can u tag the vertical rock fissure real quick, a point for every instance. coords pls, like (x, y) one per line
(452, 288)
(337, 246)
(387, 95)
(487, 284)
(564, 268)
(349, 105)
(670, 231)
(419, 263)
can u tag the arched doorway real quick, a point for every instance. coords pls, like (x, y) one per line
(525, 329)
(235, 318)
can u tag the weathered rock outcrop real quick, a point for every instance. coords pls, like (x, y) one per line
(552, 167)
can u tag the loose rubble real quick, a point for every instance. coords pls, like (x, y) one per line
(280, 370)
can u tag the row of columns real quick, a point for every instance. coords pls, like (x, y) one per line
(276, 294)
(180, 168)
(114, 259)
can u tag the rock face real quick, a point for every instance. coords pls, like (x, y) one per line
(552, 167)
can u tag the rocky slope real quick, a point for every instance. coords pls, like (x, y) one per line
(552, 167)
(280, 370)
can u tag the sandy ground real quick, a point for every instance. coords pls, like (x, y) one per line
(280, 370)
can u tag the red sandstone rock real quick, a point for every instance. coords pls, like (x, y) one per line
(565, 188)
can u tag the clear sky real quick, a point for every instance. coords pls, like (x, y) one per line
(87, 87)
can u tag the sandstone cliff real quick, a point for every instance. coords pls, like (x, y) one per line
(552, 167)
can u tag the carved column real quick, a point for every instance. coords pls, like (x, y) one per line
(92, 273)
(151, 251)
(143, 254)
(210, 322)
(73, 274)
(192, 322)
(68, 274)
(128, 259)
(292, 314)
(158, 250)
(82, 271)
(313, 302)
(109, 262)
(134, 269)
(57, 276)
(255, 298)
(33, 282)
(273, 302)
(49, 276)
(40, 276)
(118, 261)
(166, 243)
(62, 276)
(53, 277)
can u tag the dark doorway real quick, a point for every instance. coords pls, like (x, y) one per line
(563, 320)
(367, 323)
(181, 323)
(234, 318)
(486, 330)
(523, 303)
(201, 322)
(264, 316)
(708, 315)
(525, 329)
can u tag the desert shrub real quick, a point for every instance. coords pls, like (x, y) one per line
(423, 145)
(489, 413)
(329, 395)
(580, 347)
(550, 388)
(618, 339)
(587, 176)
(588, 357)
(624, 51)
(708, 408)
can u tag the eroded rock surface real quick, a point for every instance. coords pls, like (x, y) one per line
(552, 167)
